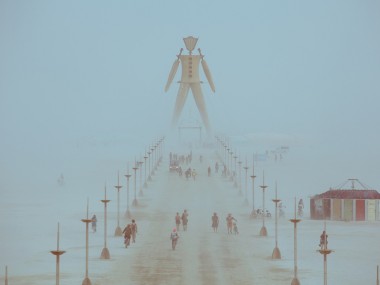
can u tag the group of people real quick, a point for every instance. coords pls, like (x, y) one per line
(130, 232)
(232, 227)
(231, 222)
(174, 236)
(184, 218)
(190, 173)
(181, 158)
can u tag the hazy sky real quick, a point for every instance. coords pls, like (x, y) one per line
(76, 71)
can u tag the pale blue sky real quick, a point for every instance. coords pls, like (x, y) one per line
(74, 70)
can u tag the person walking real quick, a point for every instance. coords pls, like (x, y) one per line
(184, 219)
(215, 222)
(127, 235)
(93, 223)
(174, 237)
(209, 171)
(323, 240)
(230, 219)
(194, 174)
(177, 221)
(133, 230)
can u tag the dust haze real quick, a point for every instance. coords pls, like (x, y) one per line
(82, 98)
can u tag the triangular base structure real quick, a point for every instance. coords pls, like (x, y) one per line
(295, 281)
(263, 231)
(105, 254)
(118, 232)
(276, 254)
(86, 281)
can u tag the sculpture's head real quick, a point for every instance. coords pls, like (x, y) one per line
(190, 43)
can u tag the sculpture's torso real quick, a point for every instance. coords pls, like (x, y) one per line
(190, 68)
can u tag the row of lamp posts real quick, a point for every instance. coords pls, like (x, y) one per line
(276, 254)
(154, 158)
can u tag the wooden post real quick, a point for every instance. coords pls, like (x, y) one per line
(134, 203)
(86, 280)
(253, 214)
(141, 189)
(105, 252)
(128, 213)
(276, 254)
(6, 275)
(145, 181)
(118, 231)
(295, 280)
(246, 184)
(263, 231)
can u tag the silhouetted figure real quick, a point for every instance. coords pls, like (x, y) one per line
(93, 223)
(300, 208)
(236, 231)
(230, 220)
(215, 222)
(216, 167)
(194, 174)
(177, 220)
(184, 219)
(127, 235)
(174, 237)
(323, 240)
(134, 230)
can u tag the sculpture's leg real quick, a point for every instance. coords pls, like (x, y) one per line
(198, 96)
(180, 102)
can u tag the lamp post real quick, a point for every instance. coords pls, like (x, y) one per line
(230, 167)
(128, 213)
(276, 254)
(140, 163)
(325, 251)
(149, 177)
(118, 231)
(235, 182)
(134, 203)
(295, 280)
(225, 156)
(145, 182)
(253, 214)
(57, 254)
(246, 184)
(240, 192)
(153, 154)
(228, 162)
(263, 231)
(156, 156)
(105, 252)
(86, 280)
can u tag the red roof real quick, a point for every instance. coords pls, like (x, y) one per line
(348, 194)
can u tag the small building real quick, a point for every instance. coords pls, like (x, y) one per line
(345, 204)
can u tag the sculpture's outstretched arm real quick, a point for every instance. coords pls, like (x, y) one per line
(173, 71)
(207, 72)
